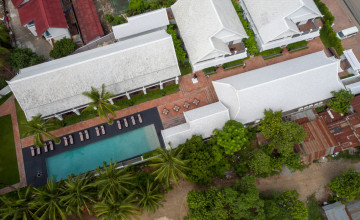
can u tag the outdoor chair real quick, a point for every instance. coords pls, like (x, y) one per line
(51, 145)
(97, 131)
(81, 136)
(32, 151)
(119, 124)
(126, 123)
(71, 139)
(65, 142)
(86, 134)
(140, 118)
(133, 120)
(102, 129)
(38, 150)
(196, 101)
(165, 111)
(45, 148)
(186, 105)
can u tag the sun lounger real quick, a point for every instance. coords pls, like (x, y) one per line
(65, 142)
(81, 136)
(71, 139)
(133, 120)
(32, 151)
(126, 123)
(140, 118)
(38, 150)
(102, 129)
(86, 134)
(119, 124)
(97, 131)
(45, 148)
(51, 145)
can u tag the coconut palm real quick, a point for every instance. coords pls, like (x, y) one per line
(39, 128)
(17, 207)
(112, 181)
(116, 208)
(149, 196)
(47, 201)
(99, 101)
(77, 193)
(168, 165)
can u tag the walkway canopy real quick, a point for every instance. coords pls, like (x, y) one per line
(354, 62)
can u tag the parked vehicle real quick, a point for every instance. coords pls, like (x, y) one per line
(346, 33)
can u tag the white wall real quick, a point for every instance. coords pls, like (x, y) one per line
(57, 34)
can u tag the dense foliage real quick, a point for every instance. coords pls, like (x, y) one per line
(347, 185)
(3, 83)
(115, 20)
(341, 101)
(140, 6)
(325, 11)
(20, 58)
(62, 48)
(179, 50)
(329, 38)
(5, 44)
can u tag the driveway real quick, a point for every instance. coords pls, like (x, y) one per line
(24, 38)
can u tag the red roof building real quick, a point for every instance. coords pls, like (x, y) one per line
(17, 3)
(88, 20)
(44, 13)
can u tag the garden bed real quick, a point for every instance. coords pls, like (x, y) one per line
(210, 70)
(272, 53)
(347, 76)
(234, 64)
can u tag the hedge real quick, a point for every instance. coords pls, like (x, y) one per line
(296, 45)
(274, 51)
(325, 11)
(233, 63)
(210, 69)
(347, 76)
(329, 39)
(179, 50)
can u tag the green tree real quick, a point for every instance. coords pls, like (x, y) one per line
(149, 196)
(168, 165)
(47, 201)
(179, 50)
(137, 7)
(4, 44)
(21, 58)
(112, 181)
(234, 137)
(347, 185)
(116, 208)
(18, 207)
(260, 163)
(115, 20)
(99, 101)
(39, 128)
(62, 48)
(341, 101)
(77, 193)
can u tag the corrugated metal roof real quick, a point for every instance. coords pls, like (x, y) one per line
(354, 209)
(336, 211)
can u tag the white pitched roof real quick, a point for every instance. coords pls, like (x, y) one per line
(198, 21)
(141, 23)
(273, 18)
(284, 86)
(57, 85)
(200, 121)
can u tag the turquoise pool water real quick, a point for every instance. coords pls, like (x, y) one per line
(119, 147)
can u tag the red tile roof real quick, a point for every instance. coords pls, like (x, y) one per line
(44, 13)
(355, 102)
(17, 2)
(87, 19)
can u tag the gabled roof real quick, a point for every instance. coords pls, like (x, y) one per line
(17, 2)
(273, 18)
(88, 20)
(283, 86)
(57, 85)
(44, 13)
(141, 23)
(198, 22)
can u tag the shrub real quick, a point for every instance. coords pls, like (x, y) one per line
(62, 48)
(296, 45)
(234, 63)
(20, 58)
(3, 83)
(325, 11)
(140, 6)
(328, 36)
(210, 69)
(320, 109)
(341, 101)
(270, 52)
(115, 20)
(180, 52)
(347, 76)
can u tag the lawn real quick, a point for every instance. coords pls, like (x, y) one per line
(21, 120)
(314, 209)
(5, 97)
(8, 162)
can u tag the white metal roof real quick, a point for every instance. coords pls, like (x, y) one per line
(198, 22)
(354, 88)
(142, 23)
(200, 121)
(336, 211)
(57, 85)
(283, 86)
(354, 62)
(274, 18)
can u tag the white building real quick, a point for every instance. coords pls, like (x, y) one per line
(281, 22)
(143, 23)
(293, 85)
(201, 121)
(211, 31)
(56, 87)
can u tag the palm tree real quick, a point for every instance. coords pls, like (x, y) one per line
(149, 196)
(47, 201)
(112, 181)
(116, 208)
(39, 128)
(19, 207)
(77, 193)
(169, 165)
(99, 101)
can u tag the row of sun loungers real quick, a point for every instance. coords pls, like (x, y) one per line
(86, 134)
(38, 149)
(98, 130)
(133, 121)
(70, 139)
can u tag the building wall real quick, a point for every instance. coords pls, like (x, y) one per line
(57, 34)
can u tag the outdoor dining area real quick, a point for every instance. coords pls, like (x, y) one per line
(186, 105)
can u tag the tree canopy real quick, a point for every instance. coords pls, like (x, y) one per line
(341, 101)
(62, 48)
(347, 185)
(20, 58)
(260, 162)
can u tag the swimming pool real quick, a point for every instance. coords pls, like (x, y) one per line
(119, 147)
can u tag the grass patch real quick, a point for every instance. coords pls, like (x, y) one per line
(5, 97)
(185, 68)
(347, 156)
(314, 209)
(9, 173)
(350, 75)
(21, 120)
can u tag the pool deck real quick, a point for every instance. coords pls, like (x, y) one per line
(35, 165)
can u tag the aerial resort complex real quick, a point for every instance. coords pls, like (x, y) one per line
(122, 109)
